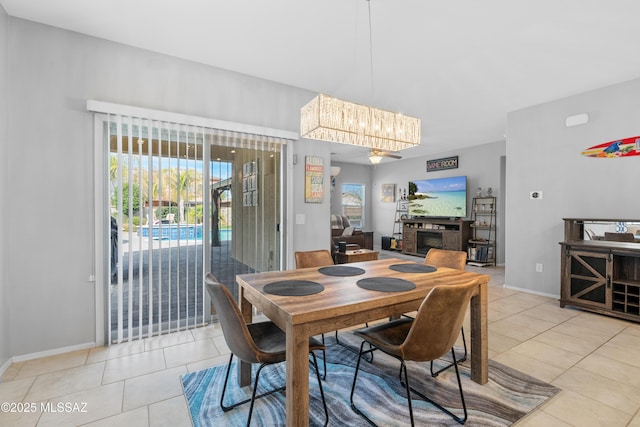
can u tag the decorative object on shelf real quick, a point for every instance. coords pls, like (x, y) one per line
(621, 227)
(388, 193)
(313, 180)
(489, 192)
(619, 148)
(479, 192)
(334, 120)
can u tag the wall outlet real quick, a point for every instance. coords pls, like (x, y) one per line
(538, 267)
(535, 195)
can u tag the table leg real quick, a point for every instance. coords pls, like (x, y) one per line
(246, 308)
(297, 376)
(479, 336)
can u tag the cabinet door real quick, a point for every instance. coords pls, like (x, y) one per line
(587, 279)
(625, 284)
(409, 240)
(450, 241)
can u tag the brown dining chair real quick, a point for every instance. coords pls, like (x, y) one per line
(428, 337)
(456, 260)
(619, 237)
(316, 258)
(262, 343)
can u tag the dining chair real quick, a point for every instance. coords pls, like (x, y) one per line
(316, 258)
(427, 337)
(319, 258)
(456, 260)
(261, 342)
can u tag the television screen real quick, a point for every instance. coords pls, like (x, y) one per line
(440, 197)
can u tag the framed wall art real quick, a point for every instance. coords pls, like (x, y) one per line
(388, 193)
(313, 179)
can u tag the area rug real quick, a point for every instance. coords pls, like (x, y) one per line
(506, 398)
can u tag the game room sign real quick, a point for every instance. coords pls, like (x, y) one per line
(442, 164)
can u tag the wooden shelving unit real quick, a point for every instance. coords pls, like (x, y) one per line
(402, 208)
(481, 249)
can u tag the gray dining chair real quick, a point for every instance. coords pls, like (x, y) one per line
(261, 342)
(429, 336)
(456, 260)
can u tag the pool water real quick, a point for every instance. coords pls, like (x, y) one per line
(179, 232)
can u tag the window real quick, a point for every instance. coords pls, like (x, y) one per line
(353, 204)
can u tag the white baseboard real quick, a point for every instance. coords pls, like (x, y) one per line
(52, 352)
(529, 291)
(4, 367)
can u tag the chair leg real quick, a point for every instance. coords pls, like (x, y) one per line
(253, 397)
(224, 387)
(324, 402)
(462, 359)
(403, 368)
(437, 405)
(355, 377)
(351, 349)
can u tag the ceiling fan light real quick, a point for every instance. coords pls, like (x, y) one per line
(375, 159)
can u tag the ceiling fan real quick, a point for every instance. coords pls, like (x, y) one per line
(375, 156)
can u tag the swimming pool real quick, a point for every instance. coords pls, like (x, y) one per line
(178, 232)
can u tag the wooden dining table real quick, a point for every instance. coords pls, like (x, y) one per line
(341, 304)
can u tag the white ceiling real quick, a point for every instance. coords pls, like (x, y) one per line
(458, 65)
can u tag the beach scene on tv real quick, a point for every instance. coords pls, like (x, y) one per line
(442, 197)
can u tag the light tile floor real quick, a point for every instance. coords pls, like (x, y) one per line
(594, 359)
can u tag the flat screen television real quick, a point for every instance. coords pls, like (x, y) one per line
(438, 198)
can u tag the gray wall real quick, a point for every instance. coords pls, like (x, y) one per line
(315, 233)
(52, 74)
(5, 349)
(481, 164)
(543, 154)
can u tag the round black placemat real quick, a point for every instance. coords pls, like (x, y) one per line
(413, 268)
(341, 270)
(385, 284)
(293, 288)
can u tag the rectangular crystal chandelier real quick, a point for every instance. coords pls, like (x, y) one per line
(334, 120)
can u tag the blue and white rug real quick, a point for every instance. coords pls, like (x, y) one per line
(507, 397)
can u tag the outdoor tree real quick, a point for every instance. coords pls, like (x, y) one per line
(136, 201)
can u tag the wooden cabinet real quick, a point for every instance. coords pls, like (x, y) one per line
(420, 235)
(601, 276)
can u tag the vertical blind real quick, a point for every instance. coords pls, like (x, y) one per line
(184, 200)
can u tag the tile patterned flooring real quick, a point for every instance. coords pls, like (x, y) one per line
(594, 359)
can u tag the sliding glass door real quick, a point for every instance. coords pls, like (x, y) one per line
(181, 201)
